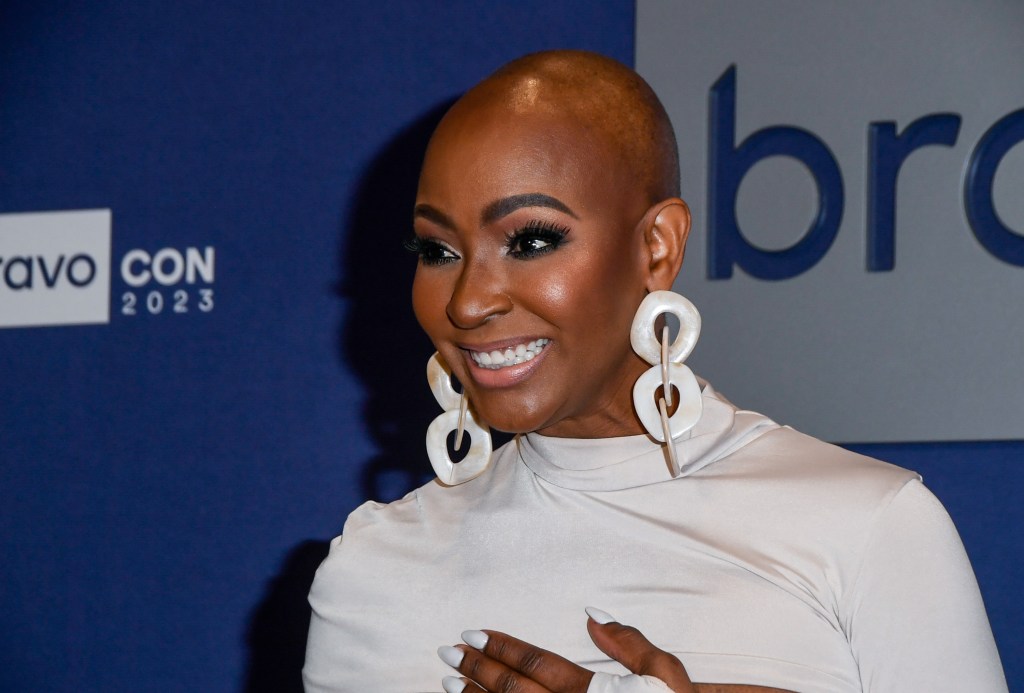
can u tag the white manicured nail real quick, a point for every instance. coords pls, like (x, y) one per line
(477, 639)
(600, 617)
(452, 656)
(453, 684)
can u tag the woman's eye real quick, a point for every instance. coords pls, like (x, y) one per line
(529, 244)
(431, 252)
(535, 239)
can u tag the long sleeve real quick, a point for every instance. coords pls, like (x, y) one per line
(914, 615)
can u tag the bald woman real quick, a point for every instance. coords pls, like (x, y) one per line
(753, 557)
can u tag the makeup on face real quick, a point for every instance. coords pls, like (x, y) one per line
(530, 269)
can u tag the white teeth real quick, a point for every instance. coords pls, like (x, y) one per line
(511, 356)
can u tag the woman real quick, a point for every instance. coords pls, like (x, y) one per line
(755, 557)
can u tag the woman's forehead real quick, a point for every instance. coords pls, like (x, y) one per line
(511, 152)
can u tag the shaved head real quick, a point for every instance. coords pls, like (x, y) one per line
(609, 103)
(547, 209)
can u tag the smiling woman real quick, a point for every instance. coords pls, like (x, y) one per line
(754, 558)
(531, 226)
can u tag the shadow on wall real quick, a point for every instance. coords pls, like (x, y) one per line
(381, 342)
(276, 636)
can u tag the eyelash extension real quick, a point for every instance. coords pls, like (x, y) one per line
(414, 244)
(552, 234)
(430, 252)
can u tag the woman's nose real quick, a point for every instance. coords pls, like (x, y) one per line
(479, 295)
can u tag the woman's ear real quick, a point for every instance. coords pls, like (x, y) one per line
(668, 226)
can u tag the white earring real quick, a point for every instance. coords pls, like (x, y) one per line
(667, 370)
(458, 417)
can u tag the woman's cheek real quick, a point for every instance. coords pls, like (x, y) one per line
(554, 292)
(428, 303)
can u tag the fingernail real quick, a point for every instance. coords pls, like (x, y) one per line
(600, 617)
(453, 684)
(477, 639)
(452, 656)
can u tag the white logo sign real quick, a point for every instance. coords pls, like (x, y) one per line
(168, 268)
(55, 268)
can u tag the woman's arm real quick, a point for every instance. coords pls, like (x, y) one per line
(913, 614)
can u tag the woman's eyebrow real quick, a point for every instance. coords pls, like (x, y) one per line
(432, 214)
(506, 205)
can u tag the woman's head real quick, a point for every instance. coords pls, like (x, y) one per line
(546, 210)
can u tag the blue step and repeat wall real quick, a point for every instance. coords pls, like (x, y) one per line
(207, 353)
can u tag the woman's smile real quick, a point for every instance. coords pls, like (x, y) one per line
(498, 356)
(505, 364)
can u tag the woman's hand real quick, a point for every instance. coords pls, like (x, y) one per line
(493, 661)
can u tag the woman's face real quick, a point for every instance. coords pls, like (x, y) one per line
(532, 263)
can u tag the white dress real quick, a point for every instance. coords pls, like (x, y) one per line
(774, 559)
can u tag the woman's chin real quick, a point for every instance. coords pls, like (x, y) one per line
(512, 427)
(498, 417)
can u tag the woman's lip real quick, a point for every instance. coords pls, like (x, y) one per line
(507, 376)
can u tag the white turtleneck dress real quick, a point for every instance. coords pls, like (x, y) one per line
(774, 559)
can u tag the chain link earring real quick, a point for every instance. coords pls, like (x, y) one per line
(667, 370)
(458, 417)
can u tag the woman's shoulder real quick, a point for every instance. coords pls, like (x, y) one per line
(805, 491)
(434, 505)
(791, 460)
(802, 461)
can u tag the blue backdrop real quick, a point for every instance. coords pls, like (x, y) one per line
(169, 481)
